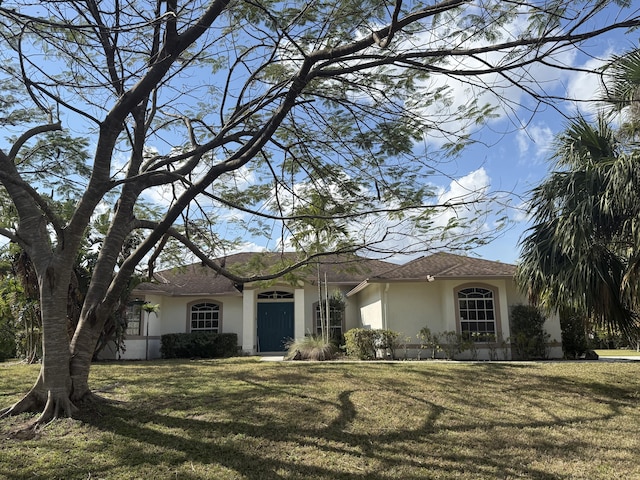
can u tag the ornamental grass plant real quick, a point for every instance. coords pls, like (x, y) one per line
(312, 347)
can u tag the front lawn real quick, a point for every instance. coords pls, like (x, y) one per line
(618, 353)
(245, 419)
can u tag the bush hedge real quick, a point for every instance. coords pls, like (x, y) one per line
(199, 345)
(364, 343)
(527, 333)
(574, 337)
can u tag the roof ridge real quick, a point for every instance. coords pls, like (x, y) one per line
(397, 267)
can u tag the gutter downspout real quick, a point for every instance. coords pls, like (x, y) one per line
(385, 305)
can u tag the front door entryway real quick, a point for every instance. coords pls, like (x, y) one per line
(275, 326)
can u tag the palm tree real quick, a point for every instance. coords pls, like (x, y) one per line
(622, 90)
(583, 250)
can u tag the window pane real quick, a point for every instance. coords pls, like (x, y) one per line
(477, 316)
(205, 316)
(133, 318)
(335, 321)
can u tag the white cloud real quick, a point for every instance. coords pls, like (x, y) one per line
(520, 213)
(472, 186)
(465, 201)
(503, 91)
(583, 88)
(465, 197)
(535, 141)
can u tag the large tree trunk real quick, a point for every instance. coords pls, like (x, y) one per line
(82, 349)
(51, 394)
(55, 348)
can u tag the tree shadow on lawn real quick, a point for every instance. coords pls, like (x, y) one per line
(283, 442)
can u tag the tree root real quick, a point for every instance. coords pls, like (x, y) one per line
(30, 403)
(28, 432)
(57, 405)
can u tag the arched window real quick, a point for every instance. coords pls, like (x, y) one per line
(205, 317)
(477, 313)
(275, 295)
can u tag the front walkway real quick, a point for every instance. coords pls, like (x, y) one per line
(272, 357)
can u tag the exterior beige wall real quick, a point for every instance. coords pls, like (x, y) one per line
(403, 307)
(413, 306)
(369, 301)
(310, 299)
(249, 332)
(172, 318)
(238, 316)
(408, 307)
(351, 312)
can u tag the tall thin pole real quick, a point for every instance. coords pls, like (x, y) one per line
(146, 349)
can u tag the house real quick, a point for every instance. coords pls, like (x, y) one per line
(443, 292)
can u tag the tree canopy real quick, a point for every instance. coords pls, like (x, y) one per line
(239, 118)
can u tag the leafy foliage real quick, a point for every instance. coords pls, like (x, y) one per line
(574, 333)
(429, 341)
(452, 343)
(199, 345)
(527, 332)
(365, 343)
(360, 343)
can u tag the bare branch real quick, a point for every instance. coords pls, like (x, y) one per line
(384, 43)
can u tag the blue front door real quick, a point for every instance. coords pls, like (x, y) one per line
(275, 326)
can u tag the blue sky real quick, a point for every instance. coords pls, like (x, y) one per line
(515, 158)
(512, 153)
(512, 150)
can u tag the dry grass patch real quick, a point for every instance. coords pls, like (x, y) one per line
(242, 419)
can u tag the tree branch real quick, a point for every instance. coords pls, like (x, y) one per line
(206, 259)
(29, 134)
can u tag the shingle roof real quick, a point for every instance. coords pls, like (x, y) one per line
(196, 279)
(447, 265)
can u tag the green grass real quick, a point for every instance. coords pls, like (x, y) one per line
(245, 419)
(618, 353)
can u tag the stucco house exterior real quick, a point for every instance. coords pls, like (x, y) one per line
(442, 291)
